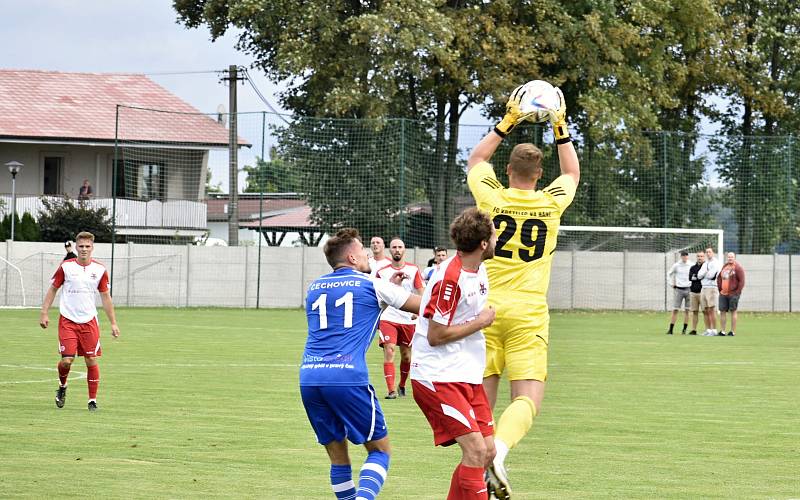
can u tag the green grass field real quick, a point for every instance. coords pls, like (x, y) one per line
(204, 403)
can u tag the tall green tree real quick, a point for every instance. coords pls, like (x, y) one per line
(762, 55)
(273, 176)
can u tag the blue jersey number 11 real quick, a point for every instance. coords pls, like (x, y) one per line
(346, 299)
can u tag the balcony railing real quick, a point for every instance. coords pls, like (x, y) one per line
(130, 213)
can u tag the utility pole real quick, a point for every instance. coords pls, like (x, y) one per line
(233, 79)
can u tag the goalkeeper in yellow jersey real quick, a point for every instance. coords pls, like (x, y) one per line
(527, 221)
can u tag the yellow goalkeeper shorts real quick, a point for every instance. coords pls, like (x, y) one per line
(517, 343)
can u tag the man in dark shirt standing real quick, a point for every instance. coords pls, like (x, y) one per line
(70, 253)
(694, 290)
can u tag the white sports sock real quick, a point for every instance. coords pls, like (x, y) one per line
(502, 451)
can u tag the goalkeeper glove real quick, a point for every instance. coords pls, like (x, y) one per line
(558, 117)
(513, 114)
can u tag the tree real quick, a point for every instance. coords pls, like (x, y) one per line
(28, 228)
(212, 188)
(61, 220)
(273, 176)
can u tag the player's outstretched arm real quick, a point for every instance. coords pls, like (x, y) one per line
(412, 304)
(567, 157)
(108, 307)
(488, 145)
(439, 334)
(49, 297)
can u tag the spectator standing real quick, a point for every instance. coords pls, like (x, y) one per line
(678, 278)
(694, 291)
(68, 246)
(439, 256)
(85, 192)
(709, 295)
(730, 283)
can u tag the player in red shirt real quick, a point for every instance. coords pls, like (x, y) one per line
(78, 331)
(450, 354)
(396, 326)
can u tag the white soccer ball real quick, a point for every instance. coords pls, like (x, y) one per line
(540, 97)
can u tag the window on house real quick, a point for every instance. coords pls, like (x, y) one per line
(146, 181)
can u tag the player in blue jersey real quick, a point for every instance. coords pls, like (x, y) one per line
(343, 309)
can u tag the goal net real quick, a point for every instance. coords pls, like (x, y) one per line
(621, 267)
(12, 285)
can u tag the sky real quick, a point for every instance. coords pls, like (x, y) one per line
(139, 36)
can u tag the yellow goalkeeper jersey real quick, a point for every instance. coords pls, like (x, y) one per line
(527, 229)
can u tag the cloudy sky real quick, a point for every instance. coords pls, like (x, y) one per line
(139, 36)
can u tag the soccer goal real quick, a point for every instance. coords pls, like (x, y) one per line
(12, 284)
(621, 267)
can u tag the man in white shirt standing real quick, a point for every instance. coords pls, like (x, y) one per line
(678, 278)
(396, 326)
(709, 294)
(78, 331)
(378, 259)
(449, 353)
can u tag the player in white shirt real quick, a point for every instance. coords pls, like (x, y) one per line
(378, 259)
(396, 326)
(78, 331)
(449, 353)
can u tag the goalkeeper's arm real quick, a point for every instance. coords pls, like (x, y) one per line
(567, 157)
(488, 145)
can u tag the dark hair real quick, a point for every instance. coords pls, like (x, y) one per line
(470, 228)
(439, 249)
(526, 161)
(684, 253)
(336, 246)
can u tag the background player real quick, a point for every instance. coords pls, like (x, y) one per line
(342, 309)
(378, 259)
(527, 222)
(450, 353)
(397, 327)
(78, 331)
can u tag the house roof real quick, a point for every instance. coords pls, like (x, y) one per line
(294, 219)
(76, 107)
(249, 208)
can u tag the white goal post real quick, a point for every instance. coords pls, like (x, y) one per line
(651, 230)
(621, 268)
(7, 290)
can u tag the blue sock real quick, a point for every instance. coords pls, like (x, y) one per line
(342, 482)
(373, 474)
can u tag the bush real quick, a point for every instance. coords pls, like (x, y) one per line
(62, 219)
(28, 229)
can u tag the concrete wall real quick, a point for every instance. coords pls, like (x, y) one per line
(180, 276)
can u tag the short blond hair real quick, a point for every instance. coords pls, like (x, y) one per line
(526, 161)
(85, 235)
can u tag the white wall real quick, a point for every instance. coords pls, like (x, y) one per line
(179, 276)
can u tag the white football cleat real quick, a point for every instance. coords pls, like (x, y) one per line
(497, 481)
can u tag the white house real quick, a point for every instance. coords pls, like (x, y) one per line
(63, 128)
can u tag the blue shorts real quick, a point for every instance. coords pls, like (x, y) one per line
(338, 412)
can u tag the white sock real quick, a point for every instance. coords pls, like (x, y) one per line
(502, 451)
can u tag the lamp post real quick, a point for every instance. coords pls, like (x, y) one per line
(14, 167)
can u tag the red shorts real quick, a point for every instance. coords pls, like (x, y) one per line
(453, 409)
(396, 333)
(80, 338)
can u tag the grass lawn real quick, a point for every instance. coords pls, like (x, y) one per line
(204, 403)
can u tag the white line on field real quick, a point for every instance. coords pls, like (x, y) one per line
(74, 375)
